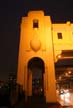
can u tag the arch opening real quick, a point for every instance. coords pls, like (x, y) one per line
(36, 67)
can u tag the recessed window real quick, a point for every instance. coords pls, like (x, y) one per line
(59, 35)
(35, 23)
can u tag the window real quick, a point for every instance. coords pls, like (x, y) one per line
(35, 23)
(59, 35)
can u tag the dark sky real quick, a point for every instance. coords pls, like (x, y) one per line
(11, 12)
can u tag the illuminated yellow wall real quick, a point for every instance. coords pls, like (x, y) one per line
(42, 42)
(66, 43)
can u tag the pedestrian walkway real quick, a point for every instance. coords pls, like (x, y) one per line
(36, 103)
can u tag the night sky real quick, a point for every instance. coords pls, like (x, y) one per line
(11, 12)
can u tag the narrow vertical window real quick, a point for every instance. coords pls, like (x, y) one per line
(59, 35)
(35, 23)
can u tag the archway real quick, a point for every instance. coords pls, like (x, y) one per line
(36, 68)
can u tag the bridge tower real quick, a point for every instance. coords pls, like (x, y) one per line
(36, 55)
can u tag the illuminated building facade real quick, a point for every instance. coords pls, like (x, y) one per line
(41, 45)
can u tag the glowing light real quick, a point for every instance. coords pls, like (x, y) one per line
(60, 77)
(59, 56)
(66, 74)
(69, 72)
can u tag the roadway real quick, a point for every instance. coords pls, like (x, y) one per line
(65, 99)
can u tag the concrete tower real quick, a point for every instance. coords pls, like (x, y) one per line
(36, 46)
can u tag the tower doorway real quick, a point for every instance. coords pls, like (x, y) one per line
(36, 67)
